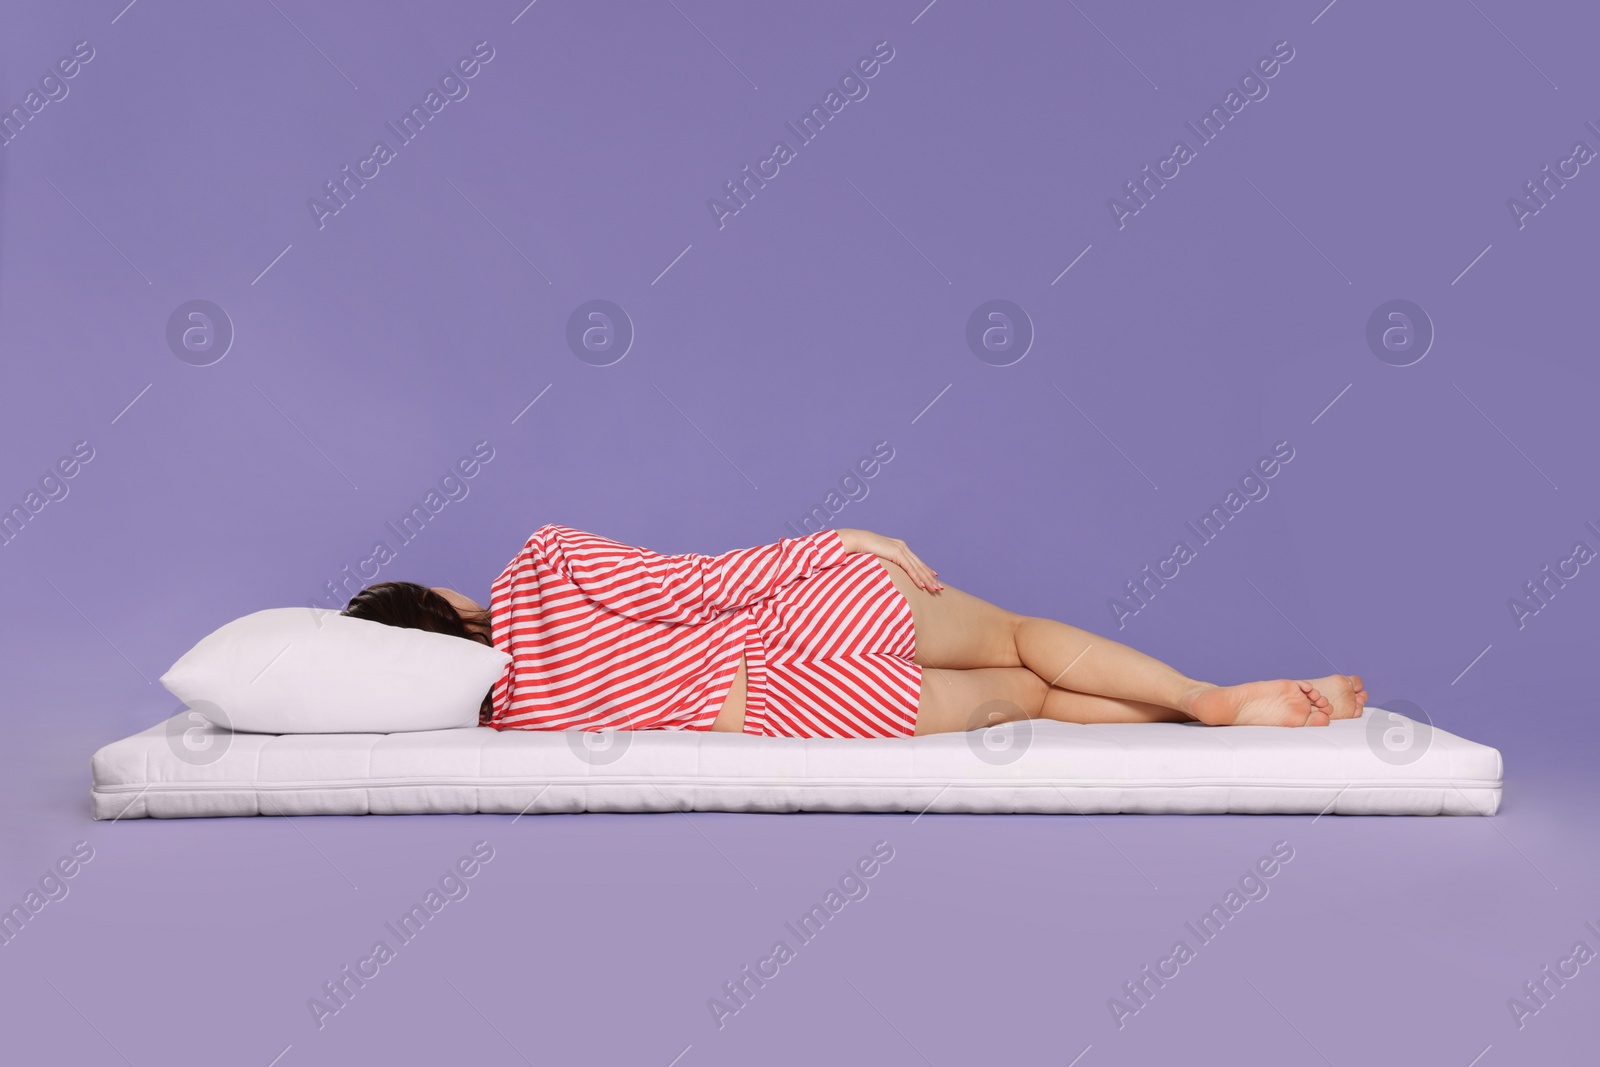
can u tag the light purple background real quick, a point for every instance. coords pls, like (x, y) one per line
(829, 314)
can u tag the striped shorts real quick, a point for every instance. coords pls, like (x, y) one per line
(831, 656)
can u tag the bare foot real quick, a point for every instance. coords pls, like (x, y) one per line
(1345, 692)
(1277, 703)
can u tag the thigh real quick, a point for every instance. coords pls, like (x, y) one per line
(958, 630)
(955, 700)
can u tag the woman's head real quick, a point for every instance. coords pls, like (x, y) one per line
(417, 607)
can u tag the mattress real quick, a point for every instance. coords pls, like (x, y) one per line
(1351, 767)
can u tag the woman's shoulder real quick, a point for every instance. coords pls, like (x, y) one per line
(540, 545)
(554, 543)
(560, 528)
(552, 533)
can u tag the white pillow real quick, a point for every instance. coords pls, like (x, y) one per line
(313, 670)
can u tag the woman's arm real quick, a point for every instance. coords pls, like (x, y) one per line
(689, 588)
(896, 552)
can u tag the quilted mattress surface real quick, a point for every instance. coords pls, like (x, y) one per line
(1380, 764)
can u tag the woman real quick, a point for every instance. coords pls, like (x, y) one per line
(842, 633)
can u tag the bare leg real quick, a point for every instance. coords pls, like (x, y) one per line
(958, 630)
(1068, 705)
(956, 700)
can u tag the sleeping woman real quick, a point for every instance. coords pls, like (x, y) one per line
(841, 633)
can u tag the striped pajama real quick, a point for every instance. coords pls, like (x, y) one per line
(604, 635)
(831, 656)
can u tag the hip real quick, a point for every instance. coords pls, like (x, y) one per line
(830, 656)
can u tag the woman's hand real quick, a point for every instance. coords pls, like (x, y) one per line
(895, 551)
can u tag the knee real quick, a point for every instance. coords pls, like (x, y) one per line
(1033, 692)
(1005, 694)
(1021, 626)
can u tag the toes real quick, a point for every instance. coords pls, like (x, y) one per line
(1312, 693)
(1318, 717)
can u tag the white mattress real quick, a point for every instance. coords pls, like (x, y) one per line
(1167, 768)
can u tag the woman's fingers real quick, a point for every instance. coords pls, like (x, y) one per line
(895, 551)
(919, 571)
(932, 578)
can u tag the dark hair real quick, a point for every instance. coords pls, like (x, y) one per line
(417, 607)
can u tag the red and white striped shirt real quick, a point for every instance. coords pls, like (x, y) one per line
(606, 636)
